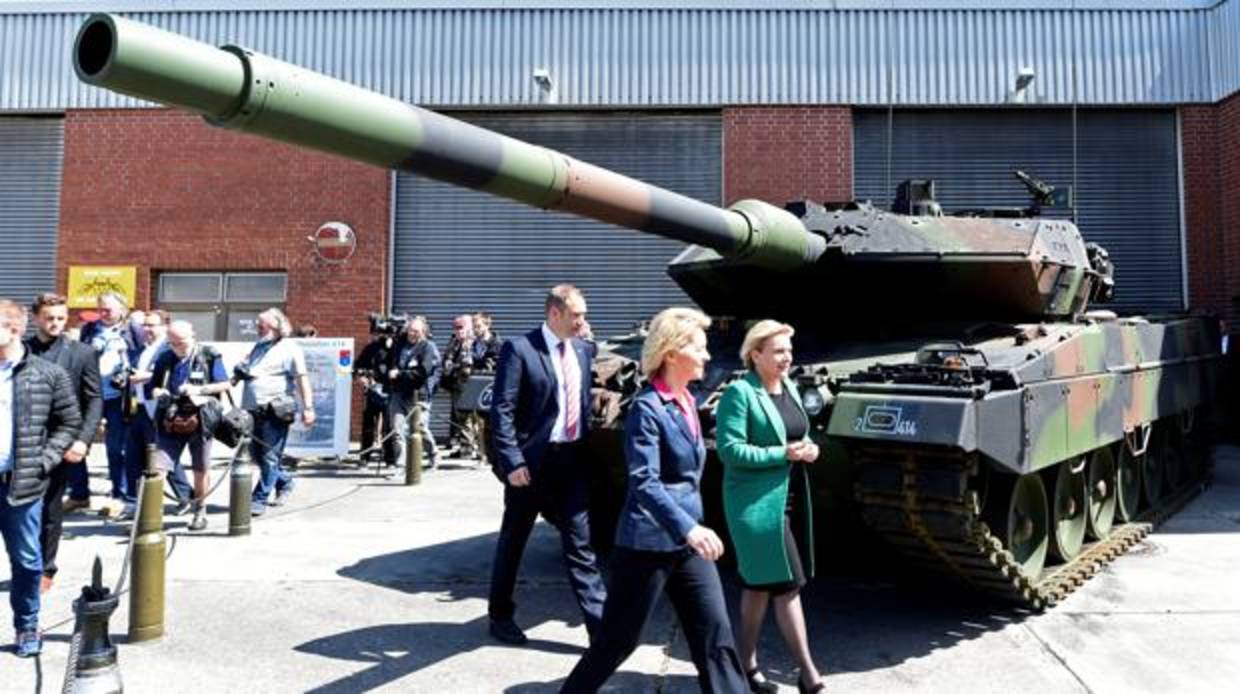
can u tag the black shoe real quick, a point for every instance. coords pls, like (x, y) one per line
(507, 631)
(819, 686)
(759, 684)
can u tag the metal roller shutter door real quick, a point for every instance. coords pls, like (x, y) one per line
(459, 250)
(1127, 189)
(31, 158)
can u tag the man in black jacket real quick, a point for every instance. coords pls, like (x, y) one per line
(371, 370)
(51, 315)
(413, 371)
(39, 420)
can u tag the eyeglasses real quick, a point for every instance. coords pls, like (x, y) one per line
(152, 325)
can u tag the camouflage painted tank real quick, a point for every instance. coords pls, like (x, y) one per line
(973, 412)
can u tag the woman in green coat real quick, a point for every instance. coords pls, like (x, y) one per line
(762, 434)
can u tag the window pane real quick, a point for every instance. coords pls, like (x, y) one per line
(203, 322)
(176, 287)
(256, 287)
(243, 325)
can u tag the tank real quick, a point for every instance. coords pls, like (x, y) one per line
(977, 417)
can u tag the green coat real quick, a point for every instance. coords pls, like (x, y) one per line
(751, 441)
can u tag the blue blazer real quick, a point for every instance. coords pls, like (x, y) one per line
(664, 460)
(523, 402)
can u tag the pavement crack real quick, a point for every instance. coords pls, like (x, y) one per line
(1047, 647)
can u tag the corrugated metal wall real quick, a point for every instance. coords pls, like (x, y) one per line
(680, 57)
(31, 155)
(1127, 183)
(459, 250)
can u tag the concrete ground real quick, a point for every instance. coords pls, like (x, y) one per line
(362, 584)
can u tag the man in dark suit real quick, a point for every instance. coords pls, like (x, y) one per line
(540, 416)
(51, 315)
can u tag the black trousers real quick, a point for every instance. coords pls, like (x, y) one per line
(692, 584)
(53, 516)
(560, 490)
(371, 431)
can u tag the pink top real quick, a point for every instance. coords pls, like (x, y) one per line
(683, 400)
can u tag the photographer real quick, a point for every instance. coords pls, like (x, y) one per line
(141, 428)
(413, 372)
(113, 340)
(270, 372)
(458, 365)
(181, 376)
(371, 370)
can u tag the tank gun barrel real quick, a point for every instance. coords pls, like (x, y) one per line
(239, 89)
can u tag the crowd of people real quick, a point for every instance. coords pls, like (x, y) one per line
(397, 370)
(151, 382)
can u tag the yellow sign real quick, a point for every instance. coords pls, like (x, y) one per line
(87, 282)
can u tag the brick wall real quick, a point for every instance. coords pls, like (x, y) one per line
(1229, 195)
(783, 153)
(1202, 208)
(163, 191)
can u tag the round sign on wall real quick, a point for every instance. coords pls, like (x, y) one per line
(334, 242)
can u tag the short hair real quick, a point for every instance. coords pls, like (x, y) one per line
(762, 331)
(13, 312)
(671, 329)
(284, 328)
(48, 299)
(559, 295)
(116, 297)
(164, 317)
(307, 330)
(182, 326)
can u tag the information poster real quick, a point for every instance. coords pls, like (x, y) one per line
(330, 364)
(87, 282)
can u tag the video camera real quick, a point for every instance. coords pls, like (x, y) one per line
(387, 324)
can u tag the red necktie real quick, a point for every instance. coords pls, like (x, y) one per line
(572, 391)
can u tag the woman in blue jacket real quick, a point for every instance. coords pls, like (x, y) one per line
(661, 544)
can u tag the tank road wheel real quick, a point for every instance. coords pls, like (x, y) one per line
(1129, 484)
(1017, 511)
(1068, 510)
(1152, 472)
(1102, 490)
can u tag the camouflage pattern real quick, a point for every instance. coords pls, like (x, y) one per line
(969, 407)
(1045, 394)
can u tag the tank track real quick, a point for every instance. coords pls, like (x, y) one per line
(922, 505)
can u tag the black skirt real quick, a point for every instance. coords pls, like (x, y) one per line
(794, 565)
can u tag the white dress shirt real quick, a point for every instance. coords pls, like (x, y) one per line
(553, 346)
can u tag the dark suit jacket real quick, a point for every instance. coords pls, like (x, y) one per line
(523, 404)
(664, 461)
(82, 364)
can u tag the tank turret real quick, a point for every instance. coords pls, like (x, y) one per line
(980, 268)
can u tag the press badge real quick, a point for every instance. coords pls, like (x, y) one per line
(196, 375)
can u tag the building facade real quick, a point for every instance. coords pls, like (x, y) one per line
(1132, 104)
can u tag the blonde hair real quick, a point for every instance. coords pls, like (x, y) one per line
(762, 331)
(14, 314)
(284, 327)
(671, 329)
